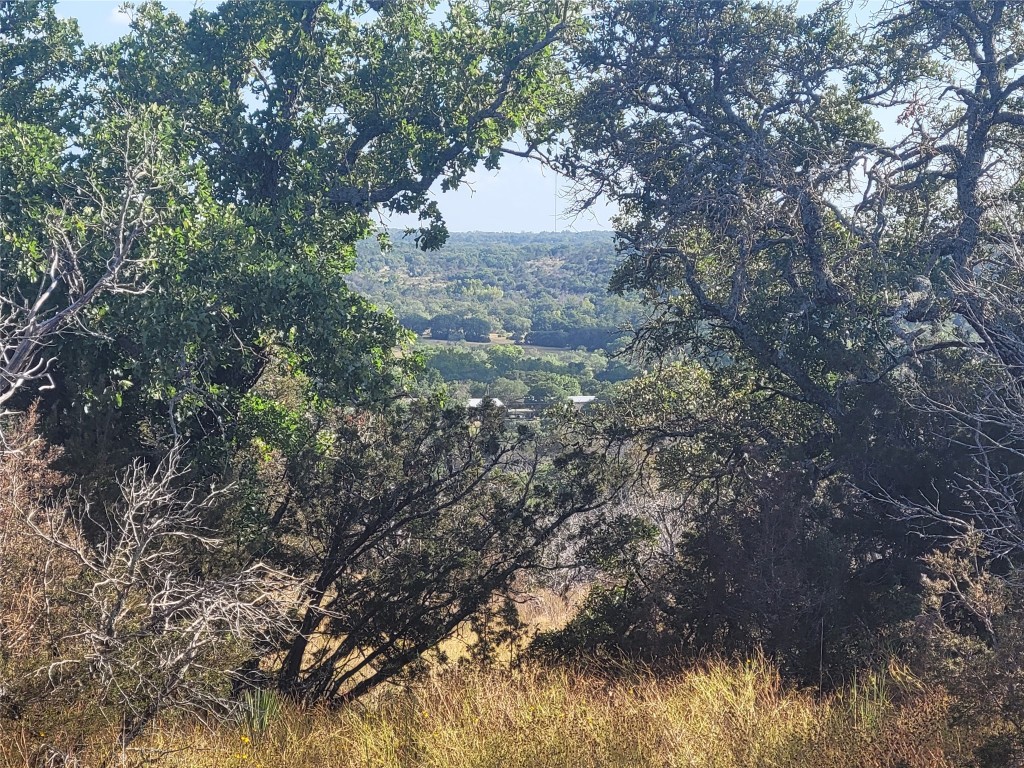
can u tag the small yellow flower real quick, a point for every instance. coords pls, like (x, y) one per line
(245, 739)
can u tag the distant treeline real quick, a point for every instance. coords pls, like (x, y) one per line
(548, 288)
(506, 372)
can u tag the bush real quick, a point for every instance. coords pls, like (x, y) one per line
(111, 613)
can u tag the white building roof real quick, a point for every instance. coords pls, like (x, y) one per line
(478, 402)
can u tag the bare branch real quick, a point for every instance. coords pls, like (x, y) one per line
(149, 630)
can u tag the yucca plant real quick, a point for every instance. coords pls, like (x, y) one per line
(258, 709)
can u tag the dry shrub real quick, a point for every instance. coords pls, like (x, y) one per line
(109, 615)
(970, 642)
(28, 484)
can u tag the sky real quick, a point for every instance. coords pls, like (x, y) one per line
(522, 196)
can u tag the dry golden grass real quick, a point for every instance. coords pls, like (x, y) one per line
(721, 716)
(543, 610)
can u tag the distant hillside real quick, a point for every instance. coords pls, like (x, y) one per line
(548, 288)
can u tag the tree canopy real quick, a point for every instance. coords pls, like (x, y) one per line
(824, 271)
(249, 146)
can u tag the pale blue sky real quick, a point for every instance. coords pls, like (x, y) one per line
(521, 197)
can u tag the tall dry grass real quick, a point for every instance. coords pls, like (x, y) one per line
(720, 716)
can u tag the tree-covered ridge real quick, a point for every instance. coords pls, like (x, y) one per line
(543, 288)
(524, 377)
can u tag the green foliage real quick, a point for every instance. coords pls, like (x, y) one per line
(538, 378)
(476, 329)
(39, 58)
(550, 387)
(544, 289)
(751, 548)
(548, 289)
(270, 133)
(410, 524)
(238, 156)
(811, 297)
(508, 390)
(259, 709)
